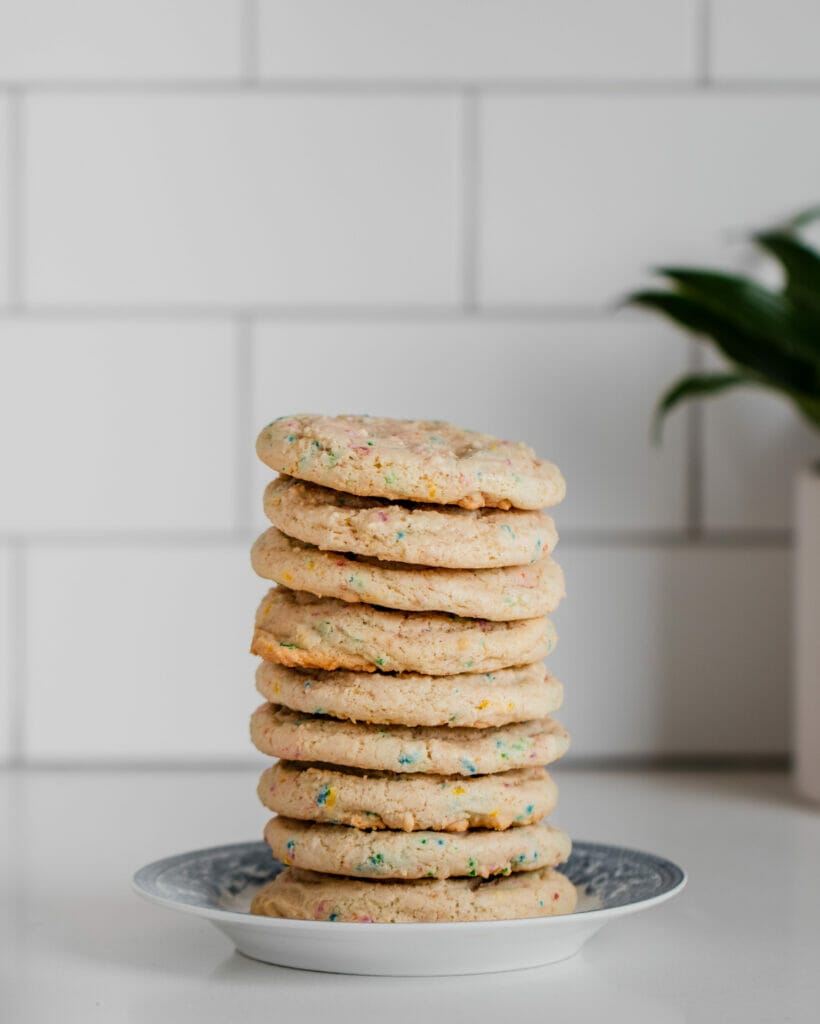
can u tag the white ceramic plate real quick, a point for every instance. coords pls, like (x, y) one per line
(220, 882)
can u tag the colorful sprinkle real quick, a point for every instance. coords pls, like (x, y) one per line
(326, 797)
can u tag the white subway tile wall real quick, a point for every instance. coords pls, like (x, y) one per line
(674, 649)
(665, 178)
(6, 655)
(139, 651)
(112, 426)
(7, 170)
(214, 214)
(242, 199)
(143, 40)
(760, 40)
(491, 41)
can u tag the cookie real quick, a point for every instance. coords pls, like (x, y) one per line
(447, 537)
(413, 460)
(511, 592)
(307, 895)
(378, 800)
(395, 748)
(478, 701)
(294, 628)
(479, 853)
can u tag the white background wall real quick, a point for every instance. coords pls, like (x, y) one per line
(215, 213)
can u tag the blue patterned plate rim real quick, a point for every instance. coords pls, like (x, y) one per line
(625, 879)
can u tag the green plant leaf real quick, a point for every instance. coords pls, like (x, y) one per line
(770, 336)
(809, 409)
(800, 220)
(740, 347)
(772, 318)
(801, 265)
(696, 385)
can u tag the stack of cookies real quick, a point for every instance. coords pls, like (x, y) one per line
(405, 694)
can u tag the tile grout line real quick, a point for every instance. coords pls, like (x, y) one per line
(470, 170)
(16, 170)
(249, 43)
(19, 656)
(243, 376)
(694, 453)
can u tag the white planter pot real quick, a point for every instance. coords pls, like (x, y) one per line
(806, 702)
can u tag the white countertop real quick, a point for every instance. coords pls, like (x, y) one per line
(742, 943)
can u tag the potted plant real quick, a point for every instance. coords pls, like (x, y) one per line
(771, 339)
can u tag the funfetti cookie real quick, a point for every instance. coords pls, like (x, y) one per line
(428, 461)
(476, 700)
(280, 732)
(310, 896)
(446, 536)
(481, 853)
(409, 802)
(298, 629)
(502, 595)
